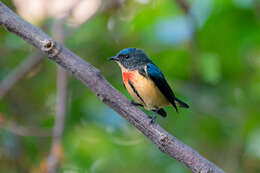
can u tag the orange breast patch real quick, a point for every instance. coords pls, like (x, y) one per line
(152, 98)
(128, 76)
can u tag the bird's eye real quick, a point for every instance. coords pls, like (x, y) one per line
(126, 56)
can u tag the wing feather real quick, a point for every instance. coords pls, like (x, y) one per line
(157, 77)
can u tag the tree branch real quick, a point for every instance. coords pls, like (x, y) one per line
(22, 131)
(18, 73)
(61, 105)
(93, 79)
(184, 5)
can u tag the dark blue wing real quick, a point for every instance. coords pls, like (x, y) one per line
(157, 77)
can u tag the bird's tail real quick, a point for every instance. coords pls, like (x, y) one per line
(181, 103)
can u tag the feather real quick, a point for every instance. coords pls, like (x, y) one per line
(135, 91)
(157, 77)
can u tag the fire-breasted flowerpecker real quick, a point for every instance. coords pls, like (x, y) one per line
(145, 82)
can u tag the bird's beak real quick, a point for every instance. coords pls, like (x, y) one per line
(114, 58)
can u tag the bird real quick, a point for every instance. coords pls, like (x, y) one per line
(145, 82)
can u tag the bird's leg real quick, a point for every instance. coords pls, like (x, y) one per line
(157, 111)
(153, 118)
(136, 104)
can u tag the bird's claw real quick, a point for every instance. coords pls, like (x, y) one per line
(153, 119)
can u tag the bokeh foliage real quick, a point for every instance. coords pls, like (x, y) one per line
(216, 71)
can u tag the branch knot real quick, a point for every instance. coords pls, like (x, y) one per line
(51, 48)
(164, 140)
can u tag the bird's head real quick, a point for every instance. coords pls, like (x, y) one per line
(131, 58)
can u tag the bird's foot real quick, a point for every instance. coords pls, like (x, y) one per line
(153, 119)
(135, 104)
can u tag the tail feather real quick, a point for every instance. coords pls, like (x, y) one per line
(181, 103)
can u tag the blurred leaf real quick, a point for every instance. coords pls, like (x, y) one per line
(210, 68)
(253, 144)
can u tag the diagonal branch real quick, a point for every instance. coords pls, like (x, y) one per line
(18, 73)
(23, 131)
(93, 79)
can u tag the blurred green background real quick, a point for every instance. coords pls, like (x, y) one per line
(211, 58)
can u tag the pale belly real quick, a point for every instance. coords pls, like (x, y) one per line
(151, 96)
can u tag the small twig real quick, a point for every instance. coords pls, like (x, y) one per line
(23, 131)
(61, 103)
(18, 73)
(184, 5)
(61, 106)
(93, 79)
